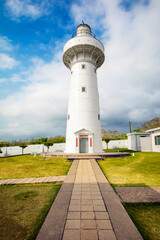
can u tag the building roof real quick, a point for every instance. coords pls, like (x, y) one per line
(153, 129)
(138, 133)
(83, 24)
(83, 130)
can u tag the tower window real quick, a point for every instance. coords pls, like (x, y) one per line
(95, 70)
(83, 66)
(83, 89)
(98, 116)
(68, 117)
(71, 72)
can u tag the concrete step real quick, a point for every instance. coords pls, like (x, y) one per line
(84, 157)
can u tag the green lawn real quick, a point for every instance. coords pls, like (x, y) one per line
(29, 166)
(118, 150)
(23, 209)
(146, 218)
(141, 170)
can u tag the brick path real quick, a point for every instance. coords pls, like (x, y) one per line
(87, 216)
(87, 208)
(139, 194)
(32, 180)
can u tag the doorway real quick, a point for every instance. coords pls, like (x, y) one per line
(83, 145)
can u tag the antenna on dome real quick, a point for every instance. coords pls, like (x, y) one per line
(82, 22)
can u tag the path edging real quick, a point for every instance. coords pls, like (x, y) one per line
(53, 226)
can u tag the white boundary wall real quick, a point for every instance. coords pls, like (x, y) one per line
(10, 151)
(115, 144)
(118, 144)
(104, 145)
(35, 148)
(31, 149)
(57, 147)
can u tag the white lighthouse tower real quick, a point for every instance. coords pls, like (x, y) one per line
(83, 55)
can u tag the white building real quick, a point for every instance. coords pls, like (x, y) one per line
(145, 142)
(155, 139)
(83, 55)
(134, 142)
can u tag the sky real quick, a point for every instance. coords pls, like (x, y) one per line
(34, 82)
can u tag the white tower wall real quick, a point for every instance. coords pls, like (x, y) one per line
(83, 54)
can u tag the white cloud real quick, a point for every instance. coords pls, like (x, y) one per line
(5, 44)
(40, 108)
(16, 78)
(25, 8)
(91, 13)
(6, 62)
(3, 80)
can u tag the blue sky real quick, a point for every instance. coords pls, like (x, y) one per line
(34, 83)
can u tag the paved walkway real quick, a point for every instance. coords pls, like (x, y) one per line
(32, 180)
(87, 208)
(87, 216)
(139, 194)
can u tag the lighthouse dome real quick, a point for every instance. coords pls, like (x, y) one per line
(83, 29)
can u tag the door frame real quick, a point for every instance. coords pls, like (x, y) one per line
(84, 133)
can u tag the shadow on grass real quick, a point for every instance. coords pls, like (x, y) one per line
(119, 150)
(23, 209)
(146, 217)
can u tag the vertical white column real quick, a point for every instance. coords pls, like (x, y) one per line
(83, 108)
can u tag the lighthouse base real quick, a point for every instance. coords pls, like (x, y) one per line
(84, 141)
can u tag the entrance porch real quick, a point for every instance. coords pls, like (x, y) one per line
(84, 141)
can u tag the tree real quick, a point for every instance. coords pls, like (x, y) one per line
(153, 123)
(47, 144)
(107, 141)
(138, 130)
(1, 145)
(57, 139)
(22, 145)
(4, 144)
(112, 135)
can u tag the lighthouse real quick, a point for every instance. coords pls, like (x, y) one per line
(83, 54)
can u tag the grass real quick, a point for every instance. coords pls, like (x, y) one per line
(118, 150)
(23, 209)
(146, 217)
(28, 166)
(141, 170)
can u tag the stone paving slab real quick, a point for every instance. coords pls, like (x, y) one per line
(46, 179)
(87, 208)
(61, 178)
(8, 181)
(87, 214)
(27, 180)
(32, 180)
(139, 194)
